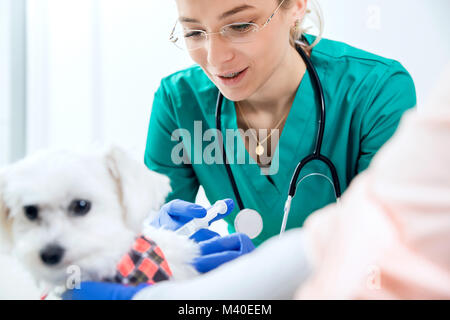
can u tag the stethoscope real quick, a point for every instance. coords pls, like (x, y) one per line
(249, 221)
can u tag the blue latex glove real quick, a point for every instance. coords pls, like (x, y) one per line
(177, 213)
(103, 291)
(217, 251)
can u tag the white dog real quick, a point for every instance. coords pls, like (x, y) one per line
(60, 209)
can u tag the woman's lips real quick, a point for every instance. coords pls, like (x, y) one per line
(232, 81)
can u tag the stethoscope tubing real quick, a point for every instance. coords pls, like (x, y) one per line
(224, 155)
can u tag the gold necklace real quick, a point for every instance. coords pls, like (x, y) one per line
(259, 150)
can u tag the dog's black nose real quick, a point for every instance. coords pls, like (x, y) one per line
(52, 254)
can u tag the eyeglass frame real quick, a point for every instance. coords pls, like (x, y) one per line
(207, 34)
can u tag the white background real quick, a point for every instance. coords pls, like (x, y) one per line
(93, 66)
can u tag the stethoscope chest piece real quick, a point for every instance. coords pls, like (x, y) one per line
(249, 222)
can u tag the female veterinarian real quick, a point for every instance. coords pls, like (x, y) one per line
(319, 110)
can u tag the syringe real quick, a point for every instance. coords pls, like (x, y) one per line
(220, 207)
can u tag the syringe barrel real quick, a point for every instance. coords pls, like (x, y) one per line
(220, 207)
(188, 229)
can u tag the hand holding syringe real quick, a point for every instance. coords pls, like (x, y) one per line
(220, 207)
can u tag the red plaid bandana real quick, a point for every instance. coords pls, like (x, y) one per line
(145, 262)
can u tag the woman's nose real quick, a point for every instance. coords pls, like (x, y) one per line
(219, 50)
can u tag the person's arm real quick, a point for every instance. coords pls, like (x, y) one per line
(274, 270)
(391, 97)
(159, 147)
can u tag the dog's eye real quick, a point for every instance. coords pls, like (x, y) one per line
(31, 212)
(80, 207)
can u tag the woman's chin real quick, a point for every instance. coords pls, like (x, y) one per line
(235, 94)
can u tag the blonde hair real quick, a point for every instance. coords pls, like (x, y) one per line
(315, 15)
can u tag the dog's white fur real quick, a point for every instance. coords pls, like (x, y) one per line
(123, 193)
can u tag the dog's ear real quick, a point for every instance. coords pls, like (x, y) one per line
(141, 191)
(5, 219)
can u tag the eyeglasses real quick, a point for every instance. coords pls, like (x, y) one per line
(240, 32)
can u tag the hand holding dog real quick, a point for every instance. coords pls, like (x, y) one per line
(103, 291)
(217, 251)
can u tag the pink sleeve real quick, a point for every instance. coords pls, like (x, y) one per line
(390, 235)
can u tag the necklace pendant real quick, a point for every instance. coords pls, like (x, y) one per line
(259, 150)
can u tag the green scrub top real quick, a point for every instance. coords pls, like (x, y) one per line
(365, 97)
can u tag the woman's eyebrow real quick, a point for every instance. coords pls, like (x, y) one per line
(222, 16)
(188, 20)
(235, 10)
